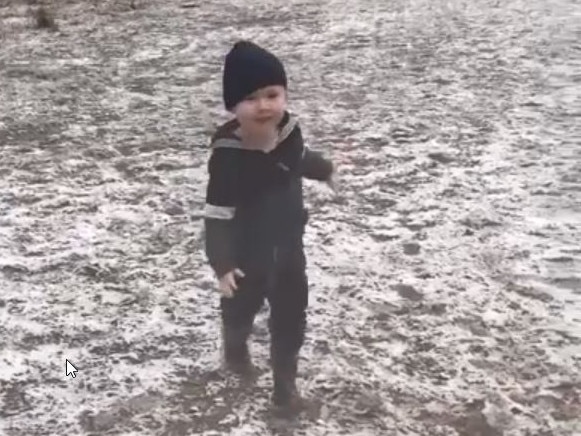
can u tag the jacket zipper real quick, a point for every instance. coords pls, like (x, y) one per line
(272, 275)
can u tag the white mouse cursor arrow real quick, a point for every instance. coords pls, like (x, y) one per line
(70, 369)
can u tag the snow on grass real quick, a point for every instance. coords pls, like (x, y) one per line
(444, 275)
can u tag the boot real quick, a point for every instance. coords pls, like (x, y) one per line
(236, 353)
(286, 398)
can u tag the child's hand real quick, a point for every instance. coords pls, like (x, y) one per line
(332, 180)
(332, 184)
(227, 283)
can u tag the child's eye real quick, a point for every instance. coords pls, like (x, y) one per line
(273, 95)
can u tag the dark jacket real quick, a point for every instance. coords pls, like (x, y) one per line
(255, 213)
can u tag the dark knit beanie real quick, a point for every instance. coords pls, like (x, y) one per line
(248, 68)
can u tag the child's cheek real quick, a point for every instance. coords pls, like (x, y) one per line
(244, 111)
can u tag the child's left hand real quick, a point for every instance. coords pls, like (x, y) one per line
(332, 184)
(332, 180)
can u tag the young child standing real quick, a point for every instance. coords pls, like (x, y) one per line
(255, 215)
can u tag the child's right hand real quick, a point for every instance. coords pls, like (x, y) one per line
(227, 283)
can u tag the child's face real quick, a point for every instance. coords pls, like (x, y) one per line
(261, 112)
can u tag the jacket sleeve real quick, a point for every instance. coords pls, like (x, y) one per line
(219, 211)
(315, 166)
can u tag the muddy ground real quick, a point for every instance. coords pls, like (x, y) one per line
(446, 275)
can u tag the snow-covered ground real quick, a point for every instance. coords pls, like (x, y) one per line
(446, 275)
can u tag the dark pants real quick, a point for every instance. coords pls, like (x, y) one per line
(286, 289)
